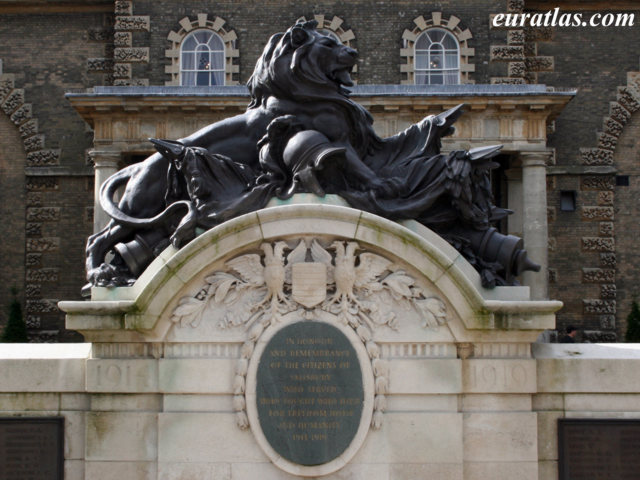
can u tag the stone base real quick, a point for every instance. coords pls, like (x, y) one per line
(168, 388)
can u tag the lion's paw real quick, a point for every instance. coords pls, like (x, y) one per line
(107, 275)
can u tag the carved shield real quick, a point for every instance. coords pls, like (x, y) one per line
(309, 283)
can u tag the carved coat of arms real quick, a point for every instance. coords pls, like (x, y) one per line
(357, 286)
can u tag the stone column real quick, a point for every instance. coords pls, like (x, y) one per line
(534, 219)
(105, 164)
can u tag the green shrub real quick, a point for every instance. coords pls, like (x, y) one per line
(16, 330)
(633, 324)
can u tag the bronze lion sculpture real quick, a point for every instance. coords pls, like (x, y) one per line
(300, 132)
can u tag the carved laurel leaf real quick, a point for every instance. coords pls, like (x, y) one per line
(400, 284)
(223, 289)
(188, 311)
(433, 312)
(242, 420)
(370, 268)
(232, 297)
(249, 267)
(319, 254)
(187, 306)
(218, 277)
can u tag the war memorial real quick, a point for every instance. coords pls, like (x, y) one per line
(285, 294)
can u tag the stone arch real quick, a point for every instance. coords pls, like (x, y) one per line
(27, 229)
(627, 212)
(202, 21)
(13, 104)
(604, 273)
(452, 25)
(148, 309)
(627, 102)
(12, 215)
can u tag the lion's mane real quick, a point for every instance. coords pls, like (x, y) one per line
(286, 72)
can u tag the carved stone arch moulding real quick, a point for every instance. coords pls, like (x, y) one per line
(203, 22)
(420, 270)
(603, 239)
(13, 104)
(627, 102)
(435, 20)
(335, 26)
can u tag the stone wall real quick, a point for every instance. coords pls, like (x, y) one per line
(75, 44)
(586, 247)
(452, 387)
(12, 208)
(118, 424)
(378, 35)
(46, 197)
(581, 381)
(627, 210)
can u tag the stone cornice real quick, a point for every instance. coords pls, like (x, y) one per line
(529, 99)
(516, 116)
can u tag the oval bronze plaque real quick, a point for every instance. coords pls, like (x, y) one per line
(309, 393)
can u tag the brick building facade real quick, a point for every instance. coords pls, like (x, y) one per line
(48, 153)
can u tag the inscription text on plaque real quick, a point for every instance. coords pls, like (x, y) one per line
(309, 393)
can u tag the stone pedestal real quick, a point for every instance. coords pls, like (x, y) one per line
(182, 365)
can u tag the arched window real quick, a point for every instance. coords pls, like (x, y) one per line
(202, 59)
(437, 58)
(437, 51)
(199, 42)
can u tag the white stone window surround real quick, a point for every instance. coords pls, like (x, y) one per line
(203, 23)
(436, 21)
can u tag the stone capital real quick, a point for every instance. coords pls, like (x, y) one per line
(536, 158)
(105, 158)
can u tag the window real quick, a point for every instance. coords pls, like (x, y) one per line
(437, 51)
(202, 59)
(568, 201)
(437, 59)
(202, 52)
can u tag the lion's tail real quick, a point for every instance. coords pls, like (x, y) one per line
(107, 192)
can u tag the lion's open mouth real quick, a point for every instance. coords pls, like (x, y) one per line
(342, 76)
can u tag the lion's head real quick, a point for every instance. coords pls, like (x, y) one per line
(302, 64)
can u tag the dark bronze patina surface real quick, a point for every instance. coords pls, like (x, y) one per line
(32, 448)
(302, 133)
(598, 449)
(309, 393)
